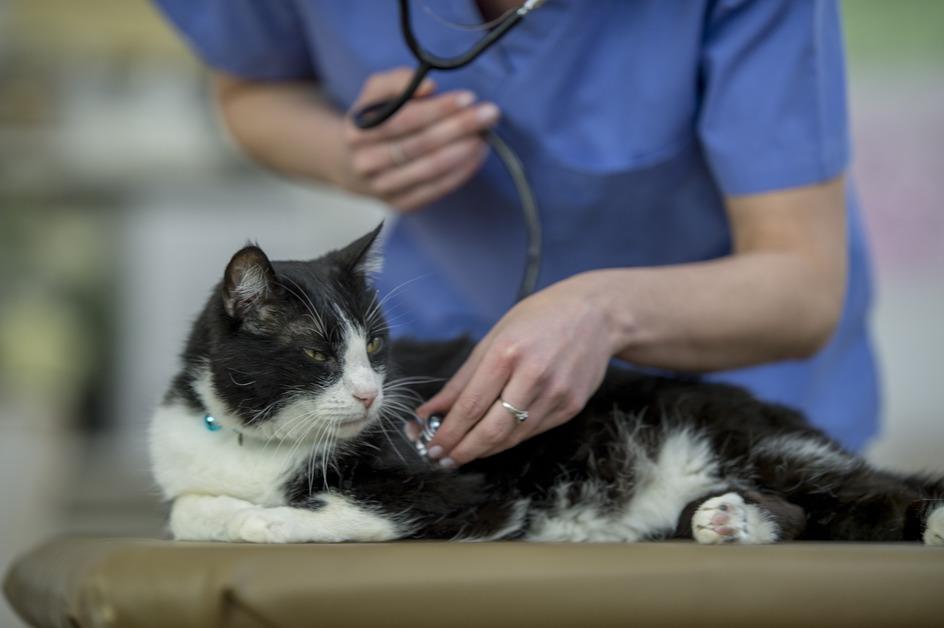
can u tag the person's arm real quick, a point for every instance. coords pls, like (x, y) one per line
(428, 149)
(777, 296)
(285, 125)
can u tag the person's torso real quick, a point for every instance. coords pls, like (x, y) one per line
(599, 100)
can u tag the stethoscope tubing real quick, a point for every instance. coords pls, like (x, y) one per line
(377, 113)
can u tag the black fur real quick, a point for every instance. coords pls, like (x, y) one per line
(256, 348)
(854, 503)
(252, 346)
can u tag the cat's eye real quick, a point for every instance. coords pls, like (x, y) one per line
(375, 344)
(317, 356)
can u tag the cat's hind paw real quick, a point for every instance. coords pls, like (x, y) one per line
(934, 530)
(728, 519)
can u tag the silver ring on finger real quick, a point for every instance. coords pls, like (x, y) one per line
(398, 154)
(520, 415)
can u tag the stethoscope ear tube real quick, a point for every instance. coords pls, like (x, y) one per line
(376, 113)
(529, 211)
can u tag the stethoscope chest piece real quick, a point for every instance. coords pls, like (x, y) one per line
(430, 427)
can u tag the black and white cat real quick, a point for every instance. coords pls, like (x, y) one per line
(285, 425)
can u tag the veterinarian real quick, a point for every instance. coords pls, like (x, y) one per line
(690, 165)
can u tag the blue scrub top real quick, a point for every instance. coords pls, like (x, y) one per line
(633, 119)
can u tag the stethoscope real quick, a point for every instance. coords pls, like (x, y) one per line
(376, 113)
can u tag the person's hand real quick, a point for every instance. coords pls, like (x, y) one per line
(547, 355)
(426, 150)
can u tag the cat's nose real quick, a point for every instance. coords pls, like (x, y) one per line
(366, 398)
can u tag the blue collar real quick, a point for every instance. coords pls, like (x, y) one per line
(210, 423)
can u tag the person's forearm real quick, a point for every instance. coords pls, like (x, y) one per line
(728, 313)
(286, 126)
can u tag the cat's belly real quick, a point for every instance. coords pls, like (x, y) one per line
(189, 459)
(684, 470)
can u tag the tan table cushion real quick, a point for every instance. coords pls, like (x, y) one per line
(130, 583)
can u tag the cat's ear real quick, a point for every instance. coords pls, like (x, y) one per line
(249, 284)
(363, 256)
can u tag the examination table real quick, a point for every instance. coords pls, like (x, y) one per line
(84, 582)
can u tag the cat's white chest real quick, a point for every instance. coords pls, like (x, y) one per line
(188, 458)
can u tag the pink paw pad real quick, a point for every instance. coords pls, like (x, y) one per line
(729, 519)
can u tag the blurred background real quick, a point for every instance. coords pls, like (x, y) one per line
(121, 200)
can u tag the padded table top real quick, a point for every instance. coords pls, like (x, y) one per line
(131, 583)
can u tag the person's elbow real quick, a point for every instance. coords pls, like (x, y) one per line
(234, 99)
(821, 303)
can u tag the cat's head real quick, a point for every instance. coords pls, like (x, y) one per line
(296, 350)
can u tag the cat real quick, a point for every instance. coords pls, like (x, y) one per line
(285, 425)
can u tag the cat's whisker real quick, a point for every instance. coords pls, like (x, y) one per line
(392, 322)
(326, 458)
(314, 450)
(316, 319)
(399, 413)
(315, 315)
(302, 421)
(233, 379)
(312, 454)
(416, 380)
(391, 314)
(396, 450)
(410, 387)
(327, 453)
(261, 415)
(294, 424)
(406, 402)
(400, 404)
(379, 304)
(402, 410)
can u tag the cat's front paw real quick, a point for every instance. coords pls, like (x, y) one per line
(728, 519)
(259, 525)
(934, 530)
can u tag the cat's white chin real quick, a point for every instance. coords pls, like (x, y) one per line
(350, 428)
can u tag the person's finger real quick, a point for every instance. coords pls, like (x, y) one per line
(447, 395)
(390, 84)
(543, 414)
(560, 401)
(411, 430)
(474, 401)
(434, 190)
(467, 122)
(371, 159)
(417, 114)
(496, 430)
(427, 168)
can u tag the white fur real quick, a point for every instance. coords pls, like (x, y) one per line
(934, 530)
(253, 285)
(684, 469)
(579, 521)
(741, 522)
(189, 459)
(360, 379)
(340, 403)
(373, 261)
(227, 490)
(222, 518)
